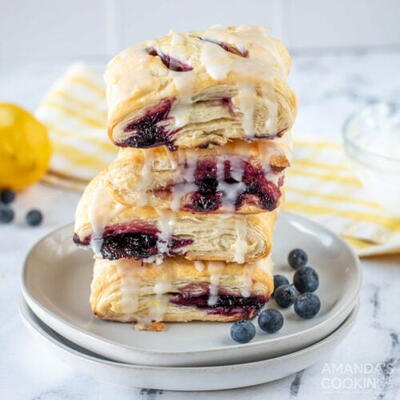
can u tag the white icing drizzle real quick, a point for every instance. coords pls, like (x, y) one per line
(102, 209)
(215, 269)
(180, 190)
(184, 81)
(241, 242)
(219, 63)
(130, 72)
(271, 124)
(171, 159)
(130, 285)
(247, 280)
(199, 265)
(145, 179)
(215, 60)
(231, 190)
(166, 223)
(247, 97)
(160, 303)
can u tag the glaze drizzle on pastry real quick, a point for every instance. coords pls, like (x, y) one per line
(156, 103)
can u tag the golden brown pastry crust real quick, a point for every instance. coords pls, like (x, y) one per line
(125, 290)
(138, 81)
(215, 236)
(157, 177)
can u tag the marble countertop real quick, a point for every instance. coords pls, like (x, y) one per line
(330, 87)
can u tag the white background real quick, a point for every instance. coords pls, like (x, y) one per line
(82, 28)
(38, 39)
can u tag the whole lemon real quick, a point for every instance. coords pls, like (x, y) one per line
(25, 148)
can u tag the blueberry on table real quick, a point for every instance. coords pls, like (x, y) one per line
(6, 215)
(307, 305)
(297, 258)
(279, 280)
(243, 331)
(34, 218)
(285, 295)
(270, 320)
(7, 196)
(306, 279)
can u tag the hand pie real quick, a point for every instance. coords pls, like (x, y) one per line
(116, 231)
(200, 89)
(238, 177)
(179, 290)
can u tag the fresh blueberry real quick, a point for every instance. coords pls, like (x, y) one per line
(297, 258)
(307, 305)
(285, 295)
(270, 320)
(34, 218)
(279, 280)
(6, 215)
(306, 279)
(7, 196)
(243, 331)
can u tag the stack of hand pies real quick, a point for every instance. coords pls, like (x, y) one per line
(181, 222)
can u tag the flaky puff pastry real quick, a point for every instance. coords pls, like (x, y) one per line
(199, 89)
(179, 290)
(118, 231)
(239, 177)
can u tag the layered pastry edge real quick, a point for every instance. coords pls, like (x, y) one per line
(222, 95)
(179, 290)
(117, 231)
(240, 177)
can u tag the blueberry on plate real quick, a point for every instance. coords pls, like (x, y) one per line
(307, 305)
(243, 331)
(7, 196)
(279, 280)
(6, 215)
(34, 218)
(306, 279)
(297, 258)
(270, 320)
(285, 295)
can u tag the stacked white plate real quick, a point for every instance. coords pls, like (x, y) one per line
(192, 356)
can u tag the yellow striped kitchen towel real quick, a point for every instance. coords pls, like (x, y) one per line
(321, 186)
(75, 112)
(319, 183)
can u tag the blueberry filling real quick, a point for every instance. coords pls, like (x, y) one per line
(148, 131)
(170, 62)
(227, 47)
(257, 189)
(266, 192)
(136, 245)
(246, 307)
(129, 245)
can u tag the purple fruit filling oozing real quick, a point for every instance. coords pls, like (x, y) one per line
(227, 47)
(170, 62)
(257, 185)
(227, 305)
(257, 189)
(129, 245)
(120, 243)
(148, 130)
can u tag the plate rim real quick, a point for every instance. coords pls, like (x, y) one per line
(33, 303)
(25, 310)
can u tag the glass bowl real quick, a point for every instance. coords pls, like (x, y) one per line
(372, 145)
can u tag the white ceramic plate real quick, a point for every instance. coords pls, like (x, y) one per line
(57, 276)
(183, 378)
